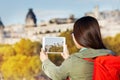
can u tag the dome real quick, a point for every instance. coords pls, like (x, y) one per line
(1, 24)
(31, 18)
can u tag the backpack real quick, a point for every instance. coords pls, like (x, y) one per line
(106, 67)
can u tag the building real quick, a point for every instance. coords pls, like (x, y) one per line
(108, 20)
(1, 25)
(104, 15)
(94, 13)
(31, 20)
(59, 21)
(1, 31)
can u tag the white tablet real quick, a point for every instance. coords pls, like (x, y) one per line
(53, 44)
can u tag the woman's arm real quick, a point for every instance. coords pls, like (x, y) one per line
(55, 72)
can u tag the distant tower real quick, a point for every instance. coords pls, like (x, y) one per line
(1, 31)
(71, 19)
(96, 12)
(31, 20)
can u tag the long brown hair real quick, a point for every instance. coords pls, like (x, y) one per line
(87, 33)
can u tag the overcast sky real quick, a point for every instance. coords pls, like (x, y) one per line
(14, 11)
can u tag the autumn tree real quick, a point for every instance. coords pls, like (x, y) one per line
(7, 50)
(27, 47)
(113, 43)
(20, 60)
(20, 66)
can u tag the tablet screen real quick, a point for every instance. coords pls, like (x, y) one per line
(53, 44)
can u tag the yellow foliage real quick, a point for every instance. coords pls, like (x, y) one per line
(69, 41)
(113, 43)
(27, 47)
(21, 66)
(7, 51)
(20, 60)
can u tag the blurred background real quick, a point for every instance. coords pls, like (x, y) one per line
(23, 24)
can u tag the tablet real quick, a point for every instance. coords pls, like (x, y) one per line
(53, 44)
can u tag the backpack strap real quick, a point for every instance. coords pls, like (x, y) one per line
(89, 59)
(92, 59)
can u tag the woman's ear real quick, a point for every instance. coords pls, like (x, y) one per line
(76, 43)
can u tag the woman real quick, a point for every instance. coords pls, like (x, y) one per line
(86, 36)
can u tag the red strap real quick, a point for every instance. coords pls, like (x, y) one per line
(89, 59)
(92, 59)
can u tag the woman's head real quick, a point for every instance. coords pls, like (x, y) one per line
(86, 33)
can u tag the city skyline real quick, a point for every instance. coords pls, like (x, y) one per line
(14, 12)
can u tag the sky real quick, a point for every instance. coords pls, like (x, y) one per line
(14, 11)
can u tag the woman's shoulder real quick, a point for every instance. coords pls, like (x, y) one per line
(74, 57)
(91, 53)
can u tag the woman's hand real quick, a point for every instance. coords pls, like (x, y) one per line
(43, 55)
(65, 54)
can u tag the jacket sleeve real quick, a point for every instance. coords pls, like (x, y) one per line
(57, 72)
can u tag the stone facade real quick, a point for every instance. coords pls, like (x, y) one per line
(104, 15)
(13, 33)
